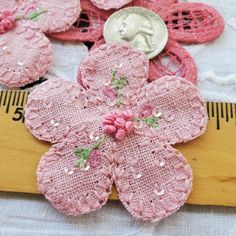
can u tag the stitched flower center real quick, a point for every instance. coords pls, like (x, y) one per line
(119, 124)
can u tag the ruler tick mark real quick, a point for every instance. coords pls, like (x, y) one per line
(222, 110)
(235, 112)
(1, 95)
(5, 99)
(212, 109)
(227, 112)
(231, 111)
(14, 98)
(8, 104)
(208, 110)
(18, 98)
(22, 100)
(217, 116)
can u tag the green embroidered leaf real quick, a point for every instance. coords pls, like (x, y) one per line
(120, 99)
(99, 143)
(119, 84)
(113, 75)
(35, 15)
(150, 121)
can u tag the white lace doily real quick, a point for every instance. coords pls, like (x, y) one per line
(216, 60)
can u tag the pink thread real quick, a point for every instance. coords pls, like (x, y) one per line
(146, 110)
(7, 21)
(109, 92)
(30, 8)
(119, 124)
(95, 159)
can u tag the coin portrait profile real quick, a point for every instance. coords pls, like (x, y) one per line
(142, 28)
(137, 29)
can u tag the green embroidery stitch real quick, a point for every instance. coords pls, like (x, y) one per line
(83, 154)
(151, 121)
(119, 84)
(35, 15)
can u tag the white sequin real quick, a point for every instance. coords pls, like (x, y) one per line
(157, 114)
(162, 163)
(107, 83)
(112, 103)
(138, 125)
(159, 192)
(68, 171)
(92, 137)
(86, 166)
(55, 123)
(137, 175)
(20, 63)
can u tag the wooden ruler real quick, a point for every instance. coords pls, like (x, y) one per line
(212, 156)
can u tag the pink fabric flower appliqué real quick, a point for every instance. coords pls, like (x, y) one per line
(25, 52)
(190, 23)
(76, 175)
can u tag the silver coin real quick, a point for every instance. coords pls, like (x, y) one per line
(144, 29)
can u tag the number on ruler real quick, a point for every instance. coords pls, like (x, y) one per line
(19, 114)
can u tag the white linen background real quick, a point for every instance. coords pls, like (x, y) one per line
(25, 214)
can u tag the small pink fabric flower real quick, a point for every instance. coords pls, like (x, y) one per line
(26, 22)
(95, 159)
(119, 124)
(7, 21)
(152, 178)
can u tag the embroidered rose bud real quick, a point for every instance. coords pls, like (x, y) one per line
(95, 159)
(146, 110)
(119, 124)
(110, 92)
(7, 21)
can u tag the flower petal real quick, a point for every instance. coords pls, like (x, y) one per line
(98, 67)
(59, 15)
(58, 109)
(24, 64)
(174, 61)
(193, 22)
(157, 184)
(88, 27)
(178, 102)
(71, 190)
(10, 5)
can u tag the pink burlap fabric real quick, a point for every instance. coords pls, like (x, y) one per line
(153, 179)
(187, 23)
(25, 52)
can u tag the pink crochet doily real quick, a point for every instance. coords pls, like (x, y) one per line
(76, 175)
(25, 52)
